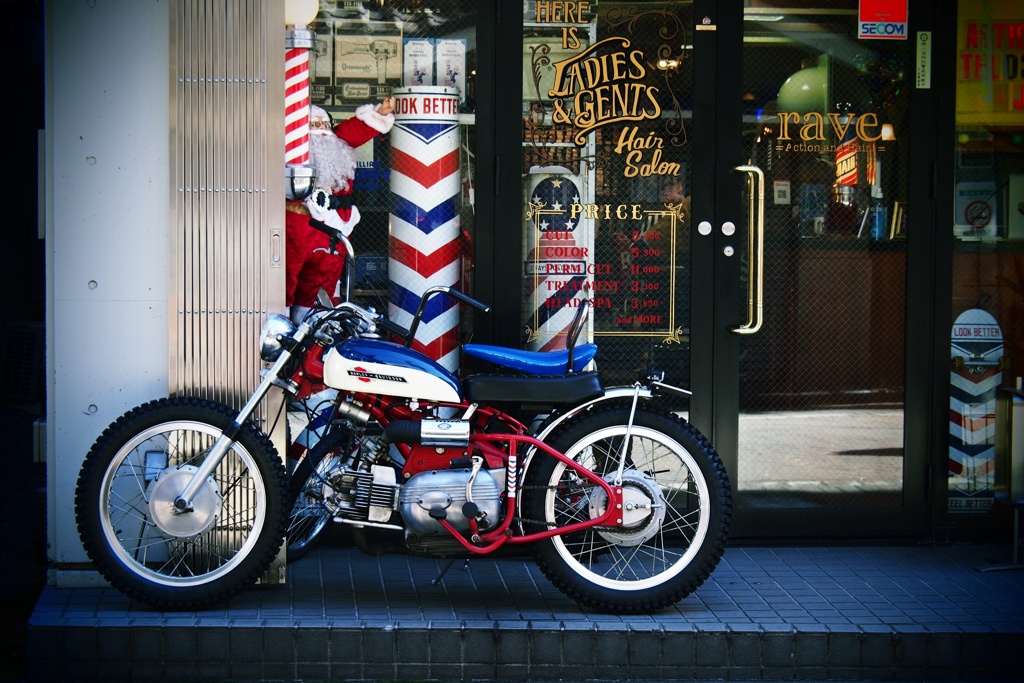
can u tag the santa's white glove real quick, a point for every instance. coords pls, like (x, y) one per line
(318, 202)
(319, 205)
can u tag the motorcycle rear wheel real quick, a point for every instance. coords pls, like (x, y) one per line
(675, 525)
(124, 505)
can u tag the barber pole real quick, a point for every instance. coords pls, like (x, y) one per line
(296, 106)
(559, 260)
(425, 245)
(976, 355)
(846, 155)
(299, 41)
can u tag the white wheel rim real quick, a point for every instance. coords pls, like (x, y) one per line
(680, 561)
(131, 515)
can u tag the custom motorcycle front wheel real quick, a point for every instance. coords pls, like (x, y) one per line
(154, 553)
(675, 522)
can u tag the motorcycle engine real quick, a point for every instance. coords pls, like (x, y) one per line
(446, 490)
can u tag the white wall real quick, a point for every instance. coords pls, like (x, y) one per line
(107, 207)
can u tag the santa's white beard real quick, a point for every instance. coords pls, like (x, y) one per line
(334, 161)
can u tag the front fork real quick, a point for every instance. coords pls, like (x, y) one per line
(183, 503)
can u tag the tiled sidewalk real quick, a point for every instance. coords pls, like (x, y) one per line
(807, 613)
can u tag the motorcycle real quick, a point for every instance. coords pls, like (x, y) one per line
(182, 503)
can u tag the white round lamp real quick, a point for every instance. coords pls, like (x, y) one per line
(300, 12)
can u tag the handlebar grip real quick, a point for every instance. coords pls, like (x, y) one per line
(469, 300)
(393, 328)
(337, 237)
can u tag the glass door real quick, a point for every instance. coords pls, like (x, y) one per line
(814, 230)
(728, 184)
(607, 172)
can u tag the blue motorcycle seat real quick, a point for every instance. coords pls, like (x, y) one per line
(533, 362)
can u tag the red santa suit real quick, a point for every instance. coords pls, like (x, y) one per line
(309, 265)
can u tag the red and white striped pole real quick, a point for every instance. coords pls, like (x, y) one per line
(299, 41)
(299, 177)
(296, 106)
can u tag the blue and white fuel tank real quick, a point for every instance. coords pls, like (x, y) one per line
(375, 366)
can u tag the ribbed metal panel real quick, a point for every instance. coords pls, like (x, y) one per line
(227, 206)
(227, 228)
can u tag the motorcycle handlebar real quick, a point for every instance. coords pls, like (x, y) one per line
(334, 234)
(441, 289)
(393, 328)
(461, 297)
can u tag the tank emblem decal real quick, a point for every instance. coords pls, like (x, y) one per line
(365, 376)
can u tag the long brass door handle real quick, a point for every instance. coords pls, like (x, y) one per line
(755, 249)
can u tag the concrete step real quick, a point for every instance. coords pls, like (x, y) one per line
(767, 613)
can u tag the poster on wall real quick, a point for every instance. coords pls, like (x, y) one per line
(990, 71)
(1015, 193)
(418, 62)
(367, 61)
(451, 65)
(538, 81)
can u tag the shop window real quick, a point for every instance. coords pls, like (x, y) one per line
(367, 51)
(987, 221)
(606, 164)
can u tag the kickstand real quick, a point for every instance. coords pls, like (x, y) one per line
(444, 570)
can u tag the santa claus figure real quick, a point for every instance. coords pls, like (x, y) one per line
(309, 263)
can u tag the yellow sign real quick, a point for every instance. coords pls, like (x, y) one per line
(596, 88)
(990, 65)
